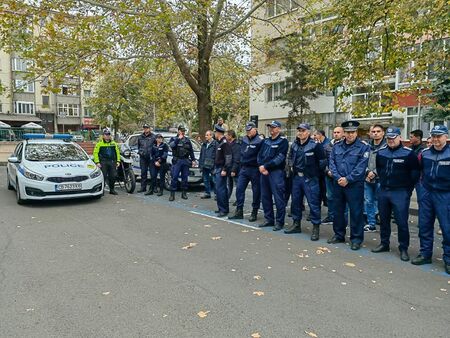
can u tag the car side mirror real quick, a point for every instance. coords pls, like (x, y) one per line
(13, 159)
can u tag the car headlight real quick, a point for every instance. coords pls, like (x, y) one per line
(32, 175)
(96, 173)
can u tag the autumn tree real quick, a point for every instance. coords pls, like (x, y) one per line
(351, 45)
(81, 37)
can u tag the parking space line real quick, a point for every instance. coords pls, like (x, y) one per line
(224, 220)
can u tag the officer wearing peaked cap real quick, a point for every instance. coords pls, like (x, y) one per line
(435, 196)
(222, 165)
(308, 161)
(397, 168)
(272, 161)
(249, 172)
(183, 157)
(348, 163)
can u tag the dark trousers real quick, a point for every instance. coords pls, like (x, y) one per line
(231, 183)
(397, 201)
(288, 187)
(161, 170)
(209, 180)
(309, 187)
(353, 195)
(273, 185)
(432, 205)
(181, 166)
(246, 175)
(323, 190)
(222, 192)
(109, 171)
(146, 165)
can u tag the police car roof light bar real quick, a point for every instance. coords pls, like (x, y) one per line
(48, 136)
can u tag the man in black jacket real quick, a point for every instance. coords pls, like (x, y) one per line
(235, 160)
(223, 162)
(206, 163)
(145, 145)
(160, 152)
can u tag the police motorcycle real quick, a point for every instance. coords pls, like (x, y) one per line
(125, 172)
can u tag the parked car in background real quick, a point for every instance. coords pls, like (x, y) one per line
(78, 138)
(195, 176)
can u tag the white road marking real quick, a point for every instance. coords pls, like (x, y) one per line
(224, 220)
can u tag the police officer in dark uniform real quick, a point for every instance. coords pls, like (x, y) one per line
(348, 163)
(397, 168)
(182, 158)
(272, 161)
(160, 152)
(435, 196)
(308, 162)
(249, 172)
(222, 165)
(145, 145)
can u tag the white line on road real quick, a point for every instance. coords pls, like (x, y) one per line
(224, 220)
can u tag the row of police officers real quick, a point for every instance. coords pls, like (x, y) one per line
(262, 162)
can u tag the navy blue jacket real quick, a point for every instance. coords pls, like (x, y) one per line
(235, 156)
(250, 148)
(207, 154)
(224, 155)
(159, 153)
(435, 167)
(145, 144)
(397, 168)
(349, 160)
(273, 153)
(182, 148)
(308, 158)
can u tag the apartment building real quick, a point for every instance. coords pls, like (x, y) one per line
(269, 83)
(24, 100)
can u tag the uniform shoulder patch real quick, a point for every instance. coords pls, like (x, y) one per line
(364, 142)
(407, 148)
(261, 137)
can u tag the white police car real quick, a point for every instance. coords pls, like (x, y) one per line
(51, 167)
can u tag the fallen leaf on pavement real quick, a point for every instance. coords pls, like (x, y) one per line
(190, 246)
(269, 267)
(216, 238)
(351, 265)
(257, 277)
(256, 335)
(203, 314)
(207, 226)
(305, 268)
(444, 290)
(311, 334)
(343, 283)
(324, 248)
(105, 293)
(319, 252)
(258, 293)
(245, 231)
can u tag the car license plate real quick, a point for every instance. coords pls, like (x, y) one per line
(68, 187)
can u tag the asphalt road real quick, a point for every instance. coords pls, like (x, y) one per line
(135, 266)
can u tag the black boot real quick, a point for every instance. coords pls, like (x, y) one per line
(295, 228)
(172, 196)
(239, 214)
(149, 192)
(160, 192)
(253, 216)
(315, 232)
(184, 195)
(113, 192)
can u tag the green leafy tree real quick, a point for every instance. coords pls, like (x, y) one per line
(81, 37)
(440, 96)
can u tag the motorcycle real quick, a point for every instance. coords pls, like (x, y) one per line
(125, 172)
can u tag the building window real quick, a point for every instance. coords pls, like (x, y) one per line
(412, 121)
(45, 100)
(20, 65)
(278, 7)
(277, 89)
(24, 108)
(24, 86)
(87, 112)
(68, 110)
(87, 93)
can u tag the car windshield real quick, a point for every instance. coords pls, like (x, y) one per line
(54, 152)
